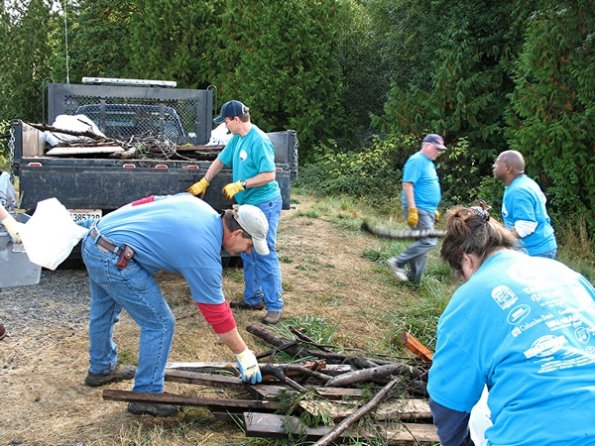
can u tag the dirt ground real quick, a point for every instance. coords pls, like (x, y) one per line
(43, 362)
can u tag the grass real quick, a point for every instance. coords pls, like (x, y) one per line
(414, 308)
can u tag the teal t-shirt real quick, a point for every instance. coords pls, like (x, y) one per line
(524, 200)
(248, 156)
(525, 327)
(178, 233)
(420, 170)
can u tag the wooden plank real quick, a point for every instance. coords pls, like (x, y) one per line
(270, 391)
(416, 347)
(266, 425)
(206, 379)
(195, 148)
(81, 150)
(402, 409)
(214, 404)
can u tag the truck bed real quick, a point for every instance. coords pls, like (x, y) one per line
(108, 183)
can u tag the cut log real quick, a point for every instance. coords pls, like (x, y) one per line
(407, 234)
(417, 348)
(215, 404)
(371, 374)
(267, 425)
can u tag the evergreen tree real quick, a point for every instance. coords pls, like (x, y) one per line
(552, 108)
(175, 40)
(26, 51)
(280, 59)
(100, 43)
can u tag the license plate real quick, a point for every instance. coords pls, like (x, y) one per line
(82, 214)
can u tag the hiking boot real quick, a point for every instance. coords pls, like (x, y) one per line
(245, 306)
(400, 273)
(272, 317)
(119, 373)
(153, 409)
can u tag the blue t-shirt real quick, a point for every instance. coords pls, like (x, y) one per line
(524, 200)
(420, 170)
(178, 233)
(248, 156)
(525, 327)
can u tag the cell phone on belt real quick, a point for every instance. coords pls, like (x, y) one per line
(125, 255)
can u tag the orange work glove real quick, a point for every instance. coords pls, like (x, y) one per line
(199, 188)
(232, 188)
(412, 217)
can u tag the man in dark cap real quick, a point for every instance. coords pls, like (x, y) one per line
(420, 198)
(251, 155)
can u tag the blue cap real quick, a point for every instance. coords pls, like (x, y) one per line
(231, 109)
(437, 140)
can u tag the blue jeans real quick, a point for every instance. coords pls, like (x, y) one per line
(133, 289)
(416, 255)
(262, 274)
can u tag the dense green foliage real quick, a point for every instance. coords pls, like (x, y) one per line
(357, 79)
(552, 113)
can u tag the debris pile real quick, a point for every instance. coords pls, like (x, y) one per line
(146, 145)
(327, 397)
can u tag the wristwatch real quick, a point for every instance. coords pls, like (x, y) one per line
(244, 184)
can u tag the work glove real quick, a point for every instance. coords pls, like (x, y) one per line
(199, 188)
(248, 365)
(412, 217)
(231, 189)
(437, 216)
(12, 226)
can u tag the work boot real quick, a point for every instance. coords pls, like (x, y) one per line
(154, 409)
(272, 317)
(119, 373)
(245, 306)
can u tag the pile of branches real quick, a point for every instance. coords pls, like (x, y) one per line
(325, 396)
(148, 145)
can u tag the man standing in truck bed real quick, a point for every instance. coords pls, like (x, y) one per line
(251, 155)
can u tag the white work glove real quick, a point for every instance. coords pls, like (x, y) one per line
(248, 365)
(12, 226)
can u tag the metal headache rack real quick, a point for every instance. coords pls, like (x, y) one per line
(182, 116)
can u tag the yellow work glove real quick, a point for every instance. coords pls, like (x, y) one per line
(12, 227)
(232, 188)
(437, 215)
(412, 217)
(199, 188)
(248, 365)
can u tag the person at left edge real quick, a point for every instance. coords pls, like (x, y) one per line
(251, 155)
(178, 233)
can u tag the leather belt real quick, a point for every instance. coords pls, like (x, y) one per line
(124, 252)
(103, 242)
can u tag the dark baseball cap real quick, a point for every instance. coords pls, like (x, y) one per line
(231, 109)
(436, 140)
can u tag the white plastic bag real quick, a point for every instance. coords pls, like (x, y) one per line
(50, 234)
(76, 123)
(220, 135)
(480, 419)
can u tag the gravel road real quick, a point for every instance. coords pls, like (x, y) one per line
(61, 299)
